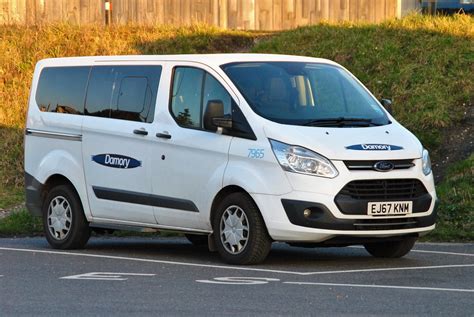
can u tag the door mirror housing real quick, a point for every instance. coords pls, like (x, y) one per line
(214, 116)
(223, 122)
(387, 104)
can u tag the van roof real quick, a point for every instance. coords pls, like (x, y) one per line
(208, 59)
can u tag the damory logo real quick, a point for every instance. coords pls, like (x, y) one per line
(374, 147)
(116, 161)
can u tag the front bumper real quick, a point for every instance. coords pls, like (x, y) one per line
(321, 218)
(285, 221)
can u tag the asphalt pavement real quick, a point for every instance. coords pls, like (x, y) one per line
(169, 276)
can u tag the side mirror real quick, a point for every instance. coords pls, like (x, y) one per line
(223, 122)
(214, 116)
(387, 104)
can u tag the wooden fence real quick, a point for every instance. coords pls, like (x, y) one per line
(232, 14)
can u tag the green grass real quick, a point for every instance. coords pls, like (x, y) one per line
(11, 196)
(24, 224)
(456, 212)
(20, 223)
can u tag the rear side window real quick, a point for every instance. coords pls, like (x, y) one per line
(62, 89)
(123, 92)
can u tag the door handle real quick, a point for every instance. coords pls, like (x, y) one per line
(140, 131)
(163, 135)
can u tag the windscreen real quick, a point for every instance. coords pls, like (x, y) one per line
(309, 94)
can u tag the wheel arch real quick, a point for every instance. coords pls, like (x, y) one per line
(60, 179)
(227, 190)
(56, 180)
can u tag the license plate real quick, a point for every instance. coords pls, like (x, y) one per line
(389, 208)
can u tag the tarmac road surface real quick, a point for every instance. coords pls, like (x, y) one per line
(169, 276)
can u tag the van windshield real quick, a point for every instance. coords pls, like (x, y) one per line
(308, 94)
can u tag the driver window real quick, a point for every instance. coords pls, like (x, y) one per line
(192, 89)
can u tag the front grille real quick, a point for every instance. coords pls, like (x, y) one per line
(384, 189)
(386, 224)
(369, 165)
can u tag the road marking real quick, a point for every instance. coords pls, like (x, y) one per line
(425, 251)
(239, 280)
(151, 260)
(386, 286)
(442, 252)
(391, 269)
(103, 276)
(238, 268)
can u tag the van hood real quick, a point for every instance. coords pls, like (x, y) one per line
(391, 141)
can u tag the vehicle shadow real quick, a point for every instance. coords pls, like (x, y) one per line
(282, 256)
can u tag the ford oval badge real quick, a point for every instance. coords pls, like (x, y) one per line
(383, 166)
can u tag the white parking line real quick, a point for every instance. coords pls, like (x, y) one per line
(386, 286)
(443, 252)
(238, 268)
(391, 269)
(424, 251)
(151, 260)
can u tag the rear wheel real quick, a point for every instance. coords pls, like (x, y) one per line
(65, 225)
(198, 240)
(390, 249)
(240, 234)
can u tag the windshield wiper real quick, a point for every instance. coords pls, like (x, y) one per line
(341, 121)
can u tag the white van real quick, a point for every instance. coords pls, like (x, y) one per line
(234, 150)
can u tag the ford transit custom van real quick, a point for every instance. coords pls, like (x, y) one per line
(234, 150)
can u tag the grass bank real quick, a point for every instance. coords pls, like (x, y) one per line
(456, 211)
(424, 63)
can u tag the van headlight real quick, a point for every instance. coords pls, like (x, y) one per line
(297, 159)
(426, 162)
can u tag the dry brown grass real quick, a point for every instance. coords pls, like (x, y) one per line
(22, 47)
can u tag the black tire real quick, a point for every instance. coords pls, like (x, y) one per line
(258, 243)
(198, 240)
(77, 229)
(390, 249)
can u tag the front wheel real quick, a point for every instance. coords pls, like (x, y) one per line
(65, 225)
(240, 234)
(390, 249)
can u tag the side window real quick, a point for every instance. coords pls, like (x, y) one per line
(213, 90)
(187, 96)
(192, 89)
(123, 92)
(62, 89)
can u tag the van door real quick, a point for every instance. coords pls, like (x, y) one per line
(189, 160)
(119, 111)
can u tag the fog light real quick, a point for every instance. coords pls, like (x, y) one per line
(307, 213)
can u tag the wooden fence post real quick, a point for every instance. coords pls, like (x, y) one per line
(108, 12)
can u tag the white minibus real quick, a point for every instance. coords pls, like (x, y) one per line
(236, 151)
